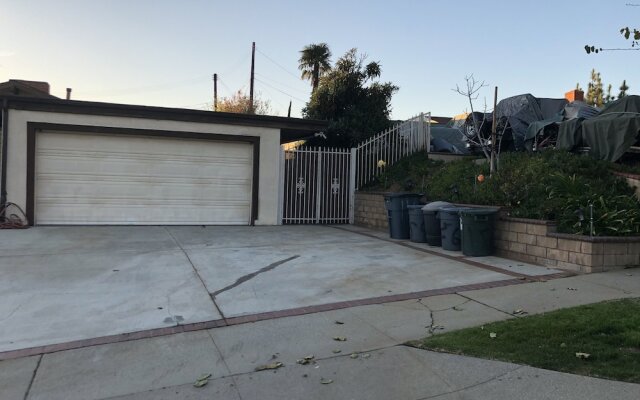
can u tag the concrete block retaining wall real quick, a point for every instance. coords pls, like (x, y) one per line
(530, 240)
(538, 242)
(370, 211)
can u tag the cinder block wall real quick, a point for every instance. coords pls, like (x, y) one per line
(370, 211)
(530, 240)
(538, 242)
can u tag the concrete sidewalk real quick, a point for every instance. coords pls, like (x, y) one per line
(165, 367)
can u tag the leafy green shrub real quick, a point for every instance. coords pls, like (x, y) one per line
(551, 185)
(409, 174)
(457, 182)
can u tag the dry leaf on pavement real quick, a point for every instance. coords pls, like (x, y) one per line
(274, 365)
(202, 380)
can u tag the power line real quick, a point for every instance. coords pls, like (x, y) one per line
(281, 91)
(277, 64)
(242, 59)
(282, 84)
(145, 89)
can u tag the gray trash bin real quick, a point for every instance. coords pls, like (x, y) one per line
(416, 224)
(450, 227)
(432, 222)
(398, 213)
(477, 231)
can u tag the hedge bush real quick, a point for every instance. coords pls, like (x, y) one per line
(552, 185)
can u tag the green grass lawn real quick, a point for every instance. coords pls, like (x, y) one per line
(609, 332)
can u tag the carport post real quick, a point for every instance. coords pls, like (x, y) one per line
(352, 185)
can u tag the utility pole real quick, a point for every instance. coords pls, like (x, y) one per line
(492, 162)
(289, 112)
(253, 62)
(215, 92)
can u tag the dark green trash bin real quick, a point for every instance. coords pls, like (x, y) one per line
(432, 222)
(398, 213)
(476, 226)
(416, 224)
(450, 227)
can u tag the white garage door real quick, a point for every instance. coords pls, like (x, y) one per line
(143, 180)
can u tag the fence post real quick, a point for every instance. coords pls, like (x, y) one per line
(429, 132)
(352, 185)
(319, 184)
(281, 187)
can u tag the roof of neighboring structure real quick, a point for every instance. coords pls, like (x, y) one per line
(441, 120)
(291, 128)
(17, 87)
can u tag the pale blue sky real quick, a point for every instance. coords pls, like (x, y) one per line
(163, 53)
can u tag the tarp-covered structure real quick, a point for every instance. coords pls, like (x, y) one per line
(518, 113)
(448, 140)
(609, 134)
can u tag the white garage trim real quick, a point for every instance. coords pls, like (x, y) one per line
(138, 176)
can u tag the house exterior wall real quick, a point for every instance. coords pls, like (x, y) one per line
(269, 165)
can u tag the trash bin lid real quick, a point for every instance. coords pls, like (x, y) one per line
(454, 210)
(479, 211)
(436, 206)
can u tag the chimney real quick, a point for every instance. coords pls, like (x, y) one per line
(68, 93)
(574, 95)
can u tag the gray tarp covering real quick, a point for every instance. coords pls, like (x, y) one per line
(609, 135)
(448, 140)
(579, 109)
(522, 110)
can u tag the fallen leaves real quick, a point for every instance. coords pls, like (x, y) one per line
(306, 359)
(274, 365)
(519, 311)
(326, 381)
(202, 380)
(340, 338)
(433, 328)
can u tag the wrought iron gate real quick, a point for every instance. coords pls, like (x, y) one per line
(318, 185)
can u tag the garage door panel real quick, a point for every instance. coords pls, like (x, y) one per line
(113, 191)
(214, 166)
(102, 179)
(113, 214)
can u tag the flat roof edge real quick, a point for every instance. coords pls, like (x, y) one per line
(154, 112)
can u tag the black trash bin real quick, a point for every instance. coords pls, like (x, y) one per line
(398, 213)
(476, 227)
(416, 224)
(432, 223)
(450, 227)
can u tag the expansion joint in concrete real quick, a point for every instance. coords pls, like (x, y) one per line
(33, 377)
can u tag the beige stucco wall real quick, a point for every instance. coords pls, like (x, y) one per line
(269, 150)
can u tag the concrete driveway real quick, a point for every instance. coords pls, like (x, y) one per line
(65, 284)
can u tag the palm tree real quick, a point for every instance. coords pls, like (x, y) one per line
(314, 61)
